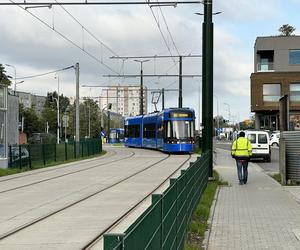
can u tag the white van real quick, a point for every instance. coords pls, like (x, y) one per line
(260, 144)
(274, 139)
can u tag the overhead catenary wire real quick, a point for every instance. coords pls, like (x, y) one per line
(162, 34)
(44, 74)
(65, 37)
(167, 27)
(87, 30)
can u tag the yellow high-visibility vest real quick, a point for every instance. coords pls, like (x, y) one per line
(241, 147)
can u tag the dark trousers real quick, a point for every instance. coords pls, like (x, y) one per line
(242, 170)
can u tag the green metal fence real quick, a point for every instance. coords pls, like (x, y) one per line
(164, 224)
(32, 155)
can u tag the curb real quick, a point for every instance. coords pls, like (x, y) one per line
(210, 219)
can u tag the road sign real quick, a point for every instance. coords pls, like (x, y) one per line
(65, 121)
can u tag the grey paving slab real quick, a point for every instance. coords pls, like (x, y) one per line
(27, 178)
(77, 225)
(259, 215)
(24, 205)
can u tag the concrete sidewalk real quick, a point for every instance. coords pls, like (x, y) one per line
(258, 215)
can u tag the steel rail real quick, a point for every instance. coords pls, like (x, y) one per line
(51, 169)
(96, 239)
(35, 221)
(70, 173)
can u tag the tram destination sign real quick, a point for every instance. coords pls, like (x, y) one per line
(181, 115)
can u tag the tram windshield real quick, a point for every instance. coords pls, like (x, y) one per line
(113, 135)
(180, 130)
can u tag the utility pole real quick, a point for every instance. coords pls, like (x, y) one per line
(207, 83)
(77, 135)
(141, 87)
(180, 83)
(108, 125)
(156, 75)
(162, 99)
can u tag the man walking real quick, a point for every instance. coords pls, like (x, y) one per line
(241, 151)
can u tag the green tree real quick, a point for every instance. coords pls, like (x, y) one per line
(286, 30)
(49, 113)
(4, 79)
(32, 123)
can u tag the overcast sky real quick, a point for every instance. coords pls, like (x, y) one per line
(34, 48)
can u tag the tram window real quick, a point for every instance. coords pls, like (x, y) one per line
(160, 129)
(149, 130)
(132, 131)
(137, 131)
(180, 129)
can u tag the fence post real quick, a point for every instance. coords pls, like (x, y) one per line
(88, 147)
(94, 149)
(20, 157)
(29, 154)
(10, 156)
(75, 151)
(55, 157)
(66, 151)
(43, 152)
(82, 145)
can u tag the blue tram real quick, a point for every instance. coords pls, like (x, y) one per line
(116, 135)
(171, 130)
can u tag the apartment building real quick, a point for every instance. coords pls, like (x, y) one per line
(32, 101)
(276, 73)
(125, 100)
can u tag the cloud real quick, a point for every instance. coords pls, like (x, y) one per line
(35, 49)
(253, 11)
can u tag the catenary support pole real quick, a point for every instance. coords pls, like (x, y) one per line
(207, 83)
(77, 135)
(180, 83)
(141, 92)
(162, 99)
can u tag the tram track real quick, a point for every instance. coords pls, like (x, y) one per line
(66, 174)
(96, 239)
(48, 215)
(51, 169)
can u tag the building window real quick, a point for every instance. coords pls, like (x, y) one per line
(271, 92)
(294, 57)
(295, 92)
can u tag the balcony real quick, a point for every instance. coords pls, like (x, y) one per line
(265, 67)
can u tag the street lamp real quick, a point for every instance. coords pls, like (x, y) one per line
(229, 113)
(17, 84)
(108, 107)
(15, 87)
(142, 88)
(207, 83)
(218, 120)
(57, 104)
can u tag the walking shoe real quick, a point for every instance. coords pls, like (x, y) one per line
(241, 183)
(245, 181)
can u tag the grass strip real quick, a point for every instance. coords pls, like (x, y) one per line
(198, 224)
(10, 171)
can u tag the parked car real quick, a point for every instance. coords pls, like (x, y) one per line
(260, 144)
(14, 158)
(274, 139)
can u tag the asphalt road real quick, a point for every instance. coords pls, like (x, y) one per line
(271, 167)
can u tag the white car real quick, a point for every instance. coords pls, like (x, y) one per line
(260, 144)
(274, 139)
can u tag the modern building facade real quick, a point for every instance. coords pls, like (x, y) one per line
(125, 100)
(276, 73)
(32, 101)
